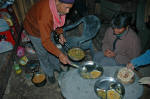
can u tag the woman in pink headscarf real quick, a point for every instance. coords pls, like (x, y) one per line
(43, 18)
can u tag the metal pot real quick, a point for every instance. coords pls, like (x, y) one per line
(76, 54)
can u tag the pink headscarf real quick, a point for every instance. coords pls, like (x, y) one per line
(59, 20)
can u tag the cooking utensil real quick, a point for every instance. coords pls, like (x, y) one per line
(106, 84)
(76, 54)
(39, 80)
(74, 65)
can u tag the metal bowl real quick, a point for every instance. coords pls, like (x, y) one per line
(76, 54)
(105, 85)
(37, 77)
(90, 70)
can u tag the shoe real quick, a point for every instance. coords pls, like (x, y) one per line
(52, 79)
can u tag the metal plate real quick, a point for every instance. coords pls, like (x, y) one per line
(107, 84)
(91, 70)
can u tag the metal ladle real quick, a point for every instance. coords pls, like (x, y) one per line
(74, 65)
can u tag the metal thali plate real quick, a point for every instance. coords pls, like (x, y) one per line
(109, 88)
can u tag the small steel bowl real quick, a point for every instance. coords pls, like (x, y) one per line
(41, 83)
(90, 70)
(106, 84)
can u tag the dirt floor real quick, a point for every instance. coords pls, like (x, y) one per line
(21, 87)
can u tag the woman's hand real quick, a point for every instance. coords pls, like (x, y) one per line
(62, 40)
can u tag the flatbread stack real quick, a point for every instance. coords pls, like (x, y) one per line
(125, 75)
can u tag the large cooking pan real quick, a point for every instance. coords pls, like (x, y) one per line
(76, 54)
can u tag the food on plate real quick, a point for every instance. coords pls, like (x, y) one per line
(116, 88)
(125, 75)
(76, 54)
(85, 75)
(38, 78)
(101, 93)
(112, 94)
(93, 74)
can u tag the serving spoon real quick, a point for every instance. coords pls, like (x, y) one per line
(74, 65)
